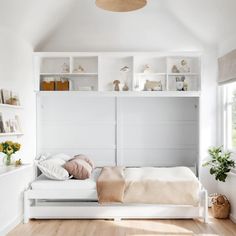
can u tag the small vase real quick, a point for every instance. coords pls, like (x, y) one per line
(8, 160)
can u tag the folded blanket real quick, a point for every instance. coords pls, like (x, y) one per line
(173, 185)
(148, 185)
(111, 185)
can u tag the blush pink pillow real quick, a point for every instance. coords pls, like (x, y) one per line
(85, 158)
(80, 169)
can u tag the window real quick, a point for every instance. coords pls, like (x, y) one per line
(230, 116)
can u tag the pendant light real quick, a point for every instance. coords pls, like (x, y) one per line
(121, 5)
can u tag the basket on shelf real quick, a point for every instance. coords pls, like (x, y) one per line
(220, 207)
(62, 85)
(47, 86)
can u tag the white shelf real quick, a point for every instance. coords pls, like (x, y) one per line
(10, 134)
(151, 74)
(183, 74)
(123, 93)
(5, 170)
(70, 74)
(10, 106)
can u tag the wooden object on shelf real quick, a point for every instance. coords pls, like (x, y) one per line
(48, 86)
(62, 85)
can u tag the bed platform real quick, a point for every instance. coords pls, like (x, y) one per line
(127, 131)
(77, 199)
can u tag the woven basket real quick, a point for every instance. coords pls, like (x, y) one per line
(220, 207)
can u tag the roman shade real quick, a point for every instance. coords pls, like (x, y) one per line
(227, 68)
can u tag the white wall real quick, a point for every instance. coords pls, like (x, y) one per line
(208, 115)
(226, 46)
(16, 74)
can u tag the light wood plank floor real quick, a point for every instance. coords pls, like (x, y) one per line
(125, 228)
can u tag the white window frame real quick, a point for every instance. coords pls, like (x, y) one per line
(225, 136)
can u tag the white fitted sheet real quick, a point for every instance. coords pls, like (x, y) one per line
(43, 183)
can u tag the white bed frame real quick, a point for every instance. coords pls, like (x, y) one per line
(153, 129)
(56, 208)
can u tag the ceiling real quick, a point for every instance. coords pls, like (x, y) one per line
(52, 24)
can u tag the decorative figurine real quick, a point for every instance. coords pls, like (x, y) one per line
(180, 83)
(18, 162)
(175, 69)
(124, 70)
(80, 69)
(116, 85)
(147, 69)
(184, 68)
(153, 86)
(65, 68)
(185, 86)
(125, 87)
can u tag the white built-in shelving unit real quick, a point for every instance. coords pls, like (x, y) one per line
(9, 111)
(130, 128)
(101, 69)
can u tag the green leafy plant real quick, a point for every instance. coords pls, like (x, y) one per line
(220, 163)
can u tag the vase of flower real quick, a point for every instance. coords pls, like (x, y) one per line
(8, 160)
(9, 148)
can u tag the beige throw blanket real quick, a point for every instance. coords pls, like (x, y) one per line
(111, 185)
(148, 185)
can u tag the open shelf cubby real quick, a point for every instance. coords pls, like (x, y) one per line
(136, 72)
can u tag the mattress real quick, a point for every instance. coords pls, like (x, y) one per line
(43, 183)
(151, 185)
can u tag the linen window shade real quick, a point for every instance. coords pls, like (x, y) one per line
(227, 68)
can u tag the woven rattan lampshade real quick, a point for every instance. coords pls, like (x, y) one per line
(121, 5)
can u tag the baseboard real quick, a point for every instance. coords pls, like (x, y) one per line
(5, 230)
(233, 218)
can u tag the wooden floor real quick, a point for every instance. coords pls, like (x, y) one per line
(124, 228)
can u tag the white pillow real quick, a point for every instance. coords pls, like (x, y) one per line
(47, 156)
(53, 169)
(61, 156)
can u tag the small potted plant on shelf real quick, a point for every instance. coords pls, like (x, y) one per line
(9, 148)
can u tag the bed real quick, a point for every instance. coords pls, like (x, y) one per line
(47, 199)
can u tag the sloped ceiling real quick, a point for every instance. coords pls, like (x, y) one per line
(33, 19)
(72, 25)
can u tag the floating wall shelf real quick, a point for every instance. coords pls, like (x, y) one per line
(10, 134)
(10, 106)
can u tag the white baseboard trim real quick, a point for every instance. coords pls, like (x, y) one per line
(6, 229)
(232, 218)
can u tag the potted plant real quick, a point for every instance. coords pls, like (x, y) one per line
(220, 163)
(9, 148)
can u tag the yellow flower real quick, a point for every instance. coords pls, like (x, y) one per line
(9, 150)
(16, 146)
(1, 148)
(9, 143)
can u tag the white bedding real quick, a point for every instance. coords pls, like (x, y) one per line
(177, 185)
(43, 183)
